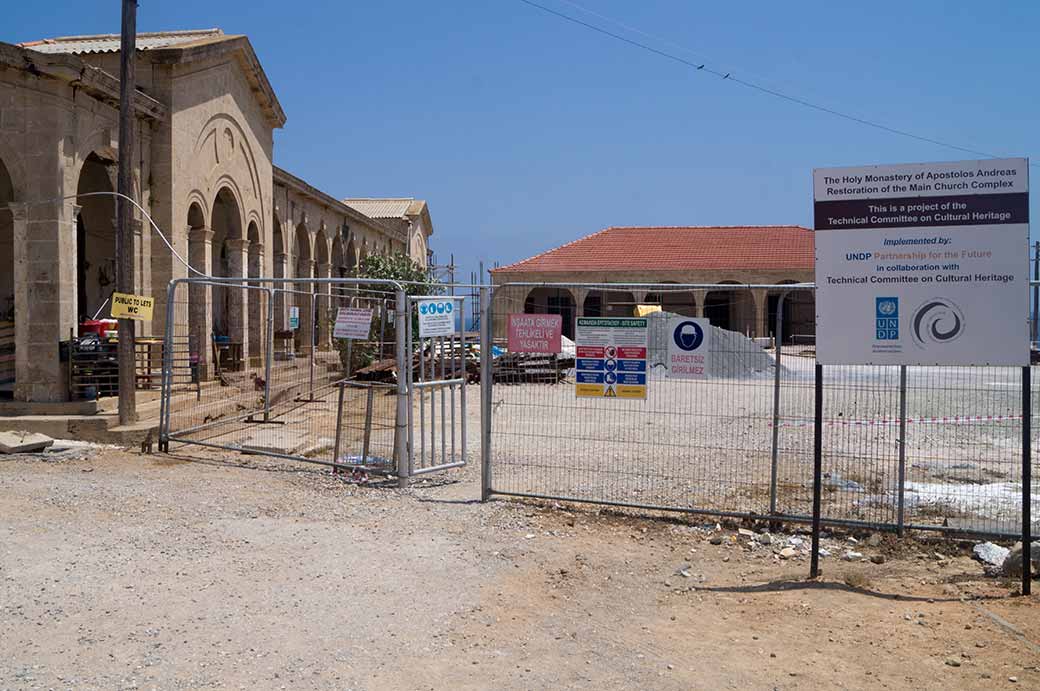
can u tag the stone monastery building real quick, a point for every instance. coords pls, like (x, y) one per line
(733, 255)
(205, 115)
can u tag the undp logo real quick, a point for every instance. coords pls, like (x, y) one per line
(688, 336)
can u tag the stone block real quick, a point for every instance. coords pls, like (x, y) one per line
(23, 442)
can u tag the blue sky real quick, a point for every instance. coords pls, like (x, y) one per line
(524, 131)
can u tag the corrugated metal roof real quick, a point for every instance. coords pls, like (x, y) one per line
(385, 208)
(109, 43)
(678, 249)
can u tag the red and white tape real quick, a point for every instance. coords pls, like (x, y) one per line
(885, 422)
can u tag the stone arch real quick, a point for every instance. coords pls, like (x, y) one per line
(799, 322)
(227, 262)
(200, 309)
(220, 143)
(731, 309)
(609, 303)
(304, 270)
(255, 298)
(321, 248)
(95, 237)
(545, 300)
(7, 312)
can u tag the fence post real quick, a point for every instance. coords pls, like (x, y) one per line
(401, 450)
(900, 517)
(486, 385)
(314, 340)
(814, 568)
(778, 339)
(339, 426)
(1027, 480)
(167, 371)
(269, 357)
(367, 438)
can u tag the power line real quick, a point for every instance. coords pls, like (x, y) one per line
(728, 76)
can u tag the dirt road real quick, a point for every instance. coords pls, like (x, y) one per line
(127, 571)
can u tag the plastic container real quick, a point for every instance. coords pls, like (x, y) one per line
(92, 326)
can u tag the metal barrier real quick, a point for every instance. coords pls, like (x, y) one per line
(278, 384)
(903, 447)
(275, 382)
(437, 373)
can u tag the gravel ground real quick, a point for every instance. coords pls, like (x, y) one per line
(216, 570)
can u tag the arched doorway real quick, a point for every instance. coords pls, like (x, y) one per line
(322, 306)
(733, 310)
(280, 261)
(256, 298)
(7, 315)
(303, 270)
(200, 308)
(609, 303)
(552, 301)
(230, 259)
(95, 239)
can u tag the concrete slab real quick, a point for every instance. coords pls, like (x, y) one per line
(275, 440)
(23, 442)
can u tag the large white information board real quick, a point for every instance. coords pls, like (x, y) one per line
(923, 263)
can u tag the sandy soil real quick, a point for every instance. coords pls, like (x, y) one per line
(126, 571)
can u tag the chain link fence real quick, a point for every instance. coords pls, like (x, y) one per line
(934, 448)
(253, 366)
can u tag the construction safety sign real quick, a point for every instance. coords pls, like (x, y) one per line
(611, 358)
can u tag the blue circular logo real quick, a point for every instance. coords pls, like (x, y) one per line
(688, 336)
(439, 308)
(610, 378)
(887, 307)
(447, 307)
(424, 308)
(609, 365)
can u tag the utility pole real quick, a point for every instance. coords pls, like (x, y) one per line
(124, 211)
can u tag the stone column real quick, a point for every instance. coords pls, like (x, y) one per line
(256, 298)
(579, 300)
(761, 297)
(44, 297)
(281, 270)
(305, 334)
(323, 305)
(200, 301)
(238, 296)
(698, 302)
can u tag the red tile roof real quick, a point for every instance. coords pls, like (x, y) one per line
(678, 249)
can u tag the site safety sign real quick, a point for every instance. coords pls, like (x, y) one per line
(689, 348)
(137, 307)
(294, 317)
(352, 322)
(436, 317)
(923, 263)
(610, 357)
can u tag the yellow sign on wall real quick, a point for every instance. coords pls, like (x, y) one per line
(137, 307)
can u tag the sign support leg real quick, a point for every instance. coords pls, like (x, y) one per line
(814, 568)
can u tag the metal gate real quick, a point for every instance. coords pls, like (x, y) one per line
(287, 388)
(437, 373)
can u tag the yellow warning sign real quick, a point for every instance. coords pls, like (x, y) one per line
(125, 306)
(610, 393)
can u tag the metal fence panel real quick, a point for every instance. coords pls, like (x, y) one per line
(921, 447)
(278, 384)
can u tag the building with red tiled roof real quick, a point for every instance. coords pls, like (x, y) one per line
(739, 255)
